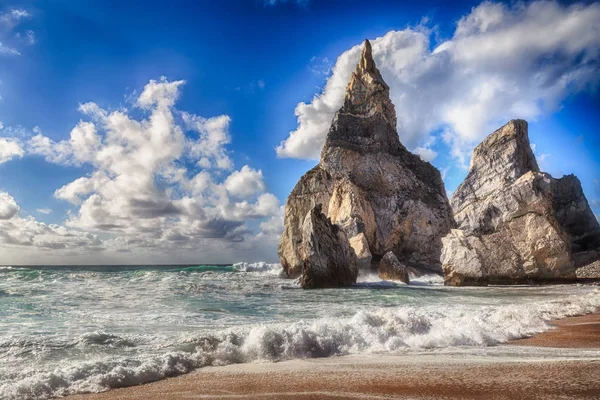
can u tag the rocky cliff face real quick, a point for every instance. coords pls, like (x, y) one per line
(516, 224)
(392, 269)
(382, 196)
(327, 258)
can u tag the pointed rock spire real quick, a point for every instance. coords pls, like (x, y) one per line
(516, 224)
(366, 122)
(366, 62)
(498, 161)
(384, 198)
(367, 93)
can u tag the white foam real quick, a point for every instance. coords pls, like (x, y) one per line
(394, 329)
(372, 279)
(271, 269)
(429, 279)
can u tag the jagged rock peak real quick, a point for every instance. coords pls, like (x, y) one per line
(516, 224)
(366, 122)
(502, 158)
(367, 93)
(366, 64)
(381, 196)
(512, 140)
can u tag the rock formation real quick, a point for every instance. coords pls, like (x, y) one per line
(392, 269)
(516, 224)
(327, 258)
(382, 196)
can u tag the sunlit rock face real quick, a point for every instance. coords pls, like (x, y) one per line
(392, 269)
(382, 196)
(515, 223)
(327, 259)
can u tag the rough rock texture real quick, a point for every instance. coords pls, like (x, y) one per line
(516, 224)
(587, 257)
(327, 258)
(315, 187)
(392, 269)
(382, 196)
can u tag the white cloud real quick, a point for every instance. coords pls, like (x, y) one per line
(444, 173)
(273, 226)
(10, 19)
(8, 206)
(425, 153)
(73, 191)
(30, 35)
(44, 211)
(16, 231)
(320, 66)
(159, 93)
(245, 183)
(163, 180)
(209, 147)
(53, 152)
(9, 149)
(540, 157)
(503, 62)
(4, 49)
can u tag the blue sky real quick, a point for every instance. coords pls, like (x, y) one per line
(253, 62)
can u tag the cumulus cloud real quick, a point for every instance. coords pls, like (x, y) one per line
(44, 211)
(162, 180)
(245, 182)
(8, 206)
(27, 231)
(502, 62)
(9, 149)
(425, 153)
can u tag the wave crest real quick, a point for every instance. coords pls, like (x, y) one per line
(383, 330)
(271, 269)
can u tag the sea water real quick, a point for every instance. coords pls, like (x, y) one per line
(66, 330)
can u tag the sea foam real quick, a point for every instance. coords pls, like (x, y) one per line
(390, 330)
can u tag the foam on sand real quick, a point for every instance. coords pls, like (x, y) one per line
(395, 330)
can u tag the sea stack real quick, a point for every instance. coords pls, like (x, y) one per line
(328, 259)
(515, 223)
(383, 197)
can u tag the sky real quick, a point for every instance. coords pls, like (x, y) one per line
(134, 133)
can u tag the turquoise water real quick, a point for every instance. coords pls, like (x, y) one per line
(70, 330)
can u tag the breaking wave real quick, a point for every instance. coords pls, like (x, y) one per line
(272, 269)
(394, 329)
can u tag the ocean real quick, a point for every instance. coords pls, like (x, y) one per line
(67, 330)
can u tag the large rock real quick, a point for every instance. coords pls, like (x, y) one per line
(382, 196)
(327, 258)
(392, 269)
(516, 224)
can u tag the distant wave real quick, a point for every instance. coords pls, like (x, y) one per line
(273, 269)
(382, 330)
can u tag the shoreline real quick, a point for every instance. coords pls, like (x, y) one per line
(399, 376)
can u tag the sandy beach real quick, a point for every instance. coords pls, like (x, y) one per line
(425, 376)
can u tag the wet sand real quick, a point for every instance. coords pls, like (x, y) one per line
(574, 332)
(398, 377)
